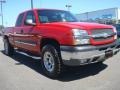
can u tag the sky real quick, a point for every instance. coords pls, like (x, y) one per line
(12, 8)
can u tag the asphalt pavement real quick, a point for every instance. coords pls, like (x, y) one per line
(21, 72)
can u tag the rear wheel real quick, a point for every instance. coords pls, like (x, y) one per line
(8, 49)
(51, 61)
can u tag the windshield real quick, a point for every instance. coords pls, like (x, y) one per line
(47, 16)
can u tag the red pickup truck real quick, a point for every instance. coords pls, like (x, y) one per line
(59, 39)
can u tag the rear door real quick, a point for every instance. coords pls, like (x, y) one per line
(18, 31)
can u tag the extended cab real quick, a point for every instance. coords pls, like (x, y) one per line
(59, 39)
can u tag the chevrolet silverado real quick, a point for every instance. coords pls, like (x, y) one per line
(60, 39)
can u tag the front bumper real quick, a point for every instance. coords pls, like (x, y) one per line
(82, 55)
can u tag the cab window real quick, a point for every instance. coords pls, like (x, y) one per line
(30, 16)
(19, 20)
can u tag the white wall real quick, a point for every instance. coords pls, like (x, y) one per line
(101, 14)
(119, 14)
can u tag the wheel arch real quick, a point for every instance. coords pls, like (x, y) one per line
(5, 37)
(51, 41)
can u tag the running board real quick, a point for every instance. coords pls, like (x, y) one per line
(26, 54)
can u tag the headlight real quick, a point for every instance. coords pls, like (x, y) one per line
(81, 37)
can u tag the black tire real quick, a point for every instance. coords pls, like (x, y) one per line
(56, 59)
(8, 48)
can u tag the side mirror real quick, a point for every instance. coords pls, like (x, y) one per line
(30, 22)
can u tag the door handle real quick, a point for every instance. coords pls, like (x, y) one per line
(21, 31)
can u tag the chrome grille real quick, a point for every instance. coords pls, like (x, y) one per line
(99, 32)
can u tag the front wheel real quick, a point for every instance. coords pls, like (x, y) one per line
(51, 61)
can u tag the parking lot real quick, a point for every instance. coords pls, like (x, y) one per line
(20, 72)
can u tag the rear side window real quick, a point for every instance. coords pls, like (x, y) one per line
(19, 20)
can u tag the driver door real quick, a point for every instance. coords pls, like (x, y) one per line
(30, 39)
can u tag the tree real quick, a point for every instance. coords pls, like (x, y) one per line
(1, 27)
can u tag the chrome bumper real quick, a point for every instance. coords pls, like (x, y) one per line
(82, 55)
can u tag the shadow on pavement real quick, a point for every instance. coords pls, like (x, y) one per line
(71, 73)
(75, 73)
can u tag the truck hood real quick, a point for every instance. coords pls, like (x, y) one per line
(82, 25)
(91, 28)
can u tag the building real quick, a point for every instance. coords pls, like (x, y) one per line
(108, 16)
